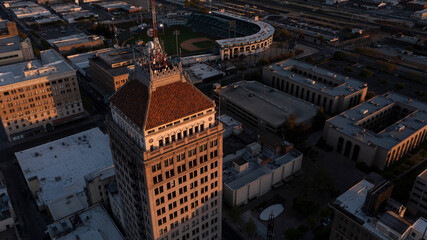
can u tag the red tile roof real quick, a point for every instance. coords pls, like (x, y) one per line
(166, 104)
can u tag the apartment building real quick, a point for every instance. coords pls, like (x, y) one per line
(334, 92)
(167, 151)
(39, 95)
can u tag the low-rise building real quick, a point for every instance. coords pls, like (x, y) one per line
(97, 183)
(230, 125)
(119, 6)
(13, 48)
(70, 44)
(39, 95)
(262, 107)
(93, 223)
(364, 212)
(110, 70)
(334, 92)
(31, 12)
(201, 72)
(72, 17)
(67, 7)
(116, 206)
(55, 172)
(7, 214)
(380, 131)
(253, 171)
(417, 204)
(421, 15)
(81, 61)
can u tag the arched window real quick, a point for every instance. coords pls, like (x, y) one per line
(347, 149)
(356, 151)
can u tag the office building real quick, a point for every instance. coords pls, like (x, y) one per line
(92, 223)
(71, 44)
(97, 183)
(380, 131)
(110, 70)
(262, 107)
(417, 204)
(13, 48)
(167, 151)
(366, 211)
(55, 172)
(334, 92)
(255, 170)
(39, 95)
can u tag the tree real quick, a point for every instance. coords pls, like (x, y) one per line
(235, 213)
(250, 228)
(319, 119)
(366, 73)
(338, 55)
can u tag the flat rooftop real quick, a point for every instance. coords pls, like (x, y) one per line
(236, 180)
(423, 175)
(51, 63)
(74, 39)
(346, 84)
(266, 30)
(10, 44)
(69, 7)
(346, 122)
(201, 71)
(61, 165)
(268, 103)
(81, 61)
(91, 224)
(119, 55)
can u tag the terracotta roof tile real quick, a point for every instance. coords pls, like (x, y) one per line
(132, 100)
(175, 101)
(167, 103)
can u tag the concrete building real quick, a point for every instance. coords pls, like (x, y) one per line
(248, 36)
(73, 17)
(39, 95)
(262, 107)
(380, 131)
(93, 223)
(81, 61)
(30, 12)
(64, 8)
(116, 206)
(13, 48)
(55, 172)
(417, 204)
(7, 214)
(334, 92)
(201, 72)
(70, 44)
(97, 183)
(255, 170)
(167, 151)
(119, 6)
(354, 217)
(110, 70)
(421, 15)
(230, 125)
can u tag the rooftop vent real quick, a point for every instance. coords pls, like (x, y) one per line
(364, 111)
(309, 81)
(400, 127)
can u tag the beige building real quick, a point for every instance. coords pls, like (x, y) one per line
(380, 131)
(167, 151)
(97, 183)
(110, 70)
(334, 92)
(71, 44)
(255, 170)
(39, 95)
(261, 106)
(366, 212)
(13, 48)
(417, 204)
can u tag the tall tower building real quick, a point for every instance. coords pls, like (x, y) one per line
(167, 150)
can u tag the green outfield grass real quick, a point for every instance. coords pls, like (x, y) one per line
(167, 38)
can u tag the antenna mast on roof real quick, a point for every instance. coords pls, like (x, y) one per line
(153, 15)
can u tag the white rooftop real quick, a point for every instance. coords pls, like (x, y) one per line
(349, 122)
(345, 85)
(267, 103)
(51, 63)
(73, 39)
(61, 165)
(91, 224)
(266, 30)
